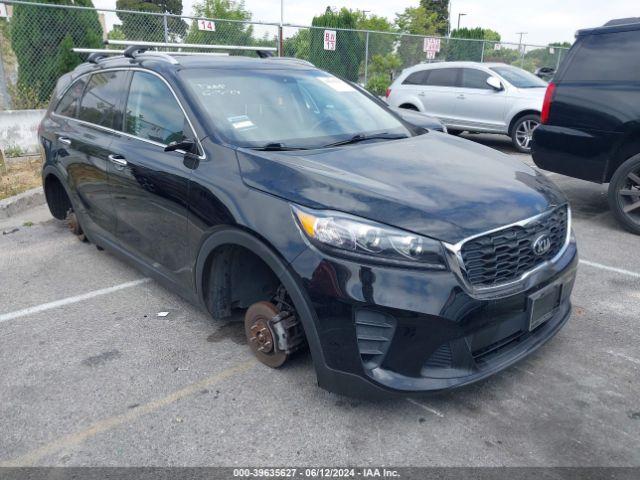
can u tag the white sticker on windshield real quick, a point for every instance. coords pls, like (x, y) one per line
(337, 84)
(241, 122)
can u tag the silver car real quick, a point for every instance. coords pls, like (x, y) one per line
(474, 97)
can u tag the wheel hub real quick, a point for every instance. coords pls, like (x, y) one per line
(260, 335)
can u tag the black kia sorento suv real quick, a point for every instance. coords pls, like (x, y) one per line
(407, 260)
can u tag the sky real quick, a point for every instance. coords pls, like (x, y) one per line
(545, 21)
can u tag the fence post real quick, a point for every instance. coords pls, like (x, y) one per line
(366, 58)
(166, 28)
(482, 53)
(559, 57)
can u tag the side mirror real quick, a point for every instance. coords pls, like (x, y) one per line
(185, 144)
(494, 83)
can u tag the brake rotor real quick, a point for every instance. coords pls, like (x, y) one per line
(74, 225)
(260, 337)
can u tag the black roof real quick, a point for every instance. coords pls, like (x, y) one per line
(613, 26)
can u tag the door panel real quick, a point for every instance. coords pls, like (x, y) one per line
(479, 105)
(149, 186)
(439, 93)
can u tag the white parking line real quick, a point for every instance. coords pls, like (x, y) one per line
(610, 269)
(66, 301)
(437, 413)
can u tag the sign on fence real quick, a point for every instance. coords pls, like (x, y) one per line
(3, 11)
(329, 39)
(206, 25)
(431, 45)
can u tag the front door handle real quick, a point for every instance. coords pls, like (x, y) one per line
(117, 160)
(64, 140)
(422, 94)
(461, 96)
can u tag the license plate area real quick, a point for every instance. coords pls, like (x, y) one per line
(542, 305)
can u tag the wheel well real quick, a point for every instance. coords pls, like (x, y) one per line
(57, 198)
(630, 146)
(235, 278)
(409, 106)
(519, 115)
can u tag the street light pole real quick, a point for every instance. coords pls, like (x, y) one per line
(460, 15)
(520, 48)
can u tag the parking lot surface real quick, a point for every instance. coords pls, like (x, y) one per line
(91, 375)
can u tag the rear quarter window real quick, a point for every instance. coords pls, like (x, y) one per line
(68, 104)
(605, 58)
(101, 102)
(416, 78)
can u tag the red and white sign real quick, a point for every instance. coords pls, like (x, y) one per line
(431, 45)
(329, 39)
(431, 54)
(207, 25)
(3, 11)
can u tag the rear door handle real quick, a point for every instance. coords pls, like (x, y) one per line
(117, 160)
(461, 96)
(64, 140)
(422, 94)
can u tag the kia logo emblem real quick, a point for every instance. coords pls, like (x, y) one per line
(541, 245)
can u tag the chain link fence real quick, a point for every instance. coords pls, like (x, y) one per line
(36, 42)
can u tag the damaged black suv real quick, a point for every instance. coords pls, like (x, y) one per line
(407, 260)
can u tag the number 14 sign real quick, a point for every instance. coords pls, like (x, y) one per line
(206, 25)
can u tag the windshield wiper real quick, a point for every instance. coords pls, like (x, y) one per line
(277, 147)
(360, 137)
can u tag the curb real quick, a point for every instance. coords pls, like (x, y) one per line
(21, 202)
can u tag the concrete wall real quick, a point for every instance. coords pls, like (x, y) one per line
(18, 128)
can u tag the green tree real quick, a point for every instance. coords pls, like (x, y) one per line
(416, 21)
(440, 20)
(345, 60)
(42, 39)
(542, 57)
(226, 33)
(298, 45)
(150, 28)
(379, 43)
(382, 71)
(466, 50)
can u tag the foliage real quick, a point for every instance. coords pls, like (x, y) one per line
(417, 21)
(542, 57)
(345, 60)
(469, 51)
(379, 43)
(298, 45)
(382, 70)
(150, 28)
(41, 39)
(227, 33)
(440, 8)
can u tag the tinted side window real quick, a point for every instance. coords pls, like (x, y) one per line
(610, 57)
(472, 78)
(102, 99)
(68, 104)
(443, 77)
(417, 78)
(152, 111)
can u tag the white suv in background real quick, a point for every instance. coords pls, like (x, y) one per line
(474, 97)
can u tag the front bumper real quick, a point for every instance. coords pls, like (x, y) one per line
(388, 330)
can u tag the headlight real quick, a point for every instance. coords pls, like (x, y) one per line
(346, 235)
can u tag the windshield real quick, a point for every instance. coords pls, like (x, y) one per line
(519, 78)
(290, 108)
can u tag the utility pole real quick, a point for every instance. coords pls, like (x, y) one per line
(460, 15)
(520, 47)
(281, 29)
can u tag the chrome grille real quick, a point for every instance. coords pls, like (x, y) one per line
(505, 255)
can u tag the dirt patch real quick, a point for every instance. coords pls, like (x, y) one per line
(19, 176)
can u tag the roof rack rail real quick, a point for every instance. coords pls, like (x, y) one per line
(263, 52)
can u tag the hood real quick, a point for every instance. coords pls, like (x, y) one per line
(418, 119)
(433, 184)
